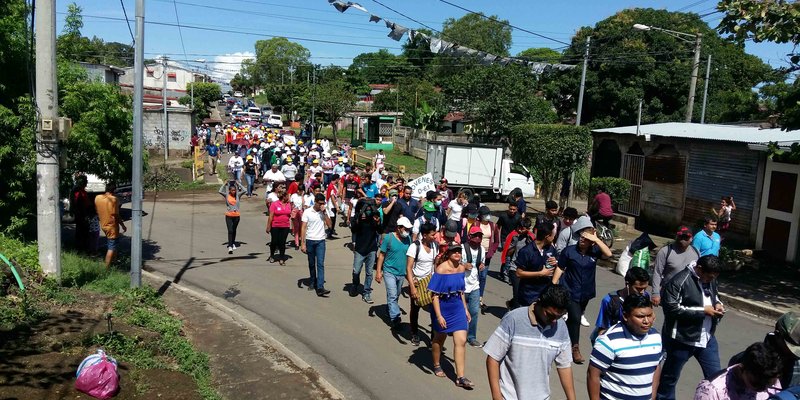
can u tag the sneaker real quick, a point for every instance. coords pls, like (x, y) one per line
(367, 299)
(323, 292)
(475, 343)
(353, 292)
(234, 246)
(415, 340)
(584, 322)
(230, 250)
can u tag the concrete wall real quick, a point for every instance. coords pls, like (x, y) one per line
(180, 131)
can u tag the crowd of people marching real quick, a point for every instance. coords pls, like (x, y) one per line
(442, 245)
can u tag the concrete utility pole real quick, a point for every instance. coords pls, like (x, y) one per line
(314, 103)
(136, 180)
(580, 113)
(164, 105)
(48, 216)
(583, 82)
(705, 91)
(693, 82)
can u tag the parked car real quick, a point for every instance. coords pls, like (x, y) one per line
(275, 121)
(238, 94)
(254, 112)
(266, 110)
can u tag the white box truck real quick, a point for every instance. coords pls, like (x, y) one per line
(480, 168)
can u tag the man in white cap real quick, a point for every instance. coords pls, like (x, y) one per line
(392, 266)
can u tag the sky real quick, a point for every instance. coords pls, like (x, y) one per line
(315, 24)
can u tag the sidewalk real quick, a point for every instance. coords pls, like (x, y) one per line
(244, 363)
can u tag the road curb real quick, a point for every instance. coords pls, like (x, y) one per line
(752, 307)
(236, 316)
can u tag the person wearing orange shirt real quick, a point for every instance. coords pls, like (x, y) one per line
(107, 207)
(232, 192)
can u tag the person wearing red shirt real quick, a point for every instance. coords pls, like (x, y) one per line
(601, 206)
(278, 227)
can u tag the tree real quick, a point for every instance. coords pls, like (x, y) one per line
(418, 53)
(550, 151)
(334, 99)
(422, 103)
(380, 67)
(101, 140)
(205, 95)
(541, 54)
(17, 123)
(275, 58)
(72, 45)
(626, 65)
(499, 97)
(491, 35)
(769, 21)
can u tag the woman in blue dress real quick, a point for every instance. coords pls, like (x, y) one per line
(449, 313)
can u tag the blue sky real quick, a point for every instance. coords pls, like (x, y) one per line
(317, 20)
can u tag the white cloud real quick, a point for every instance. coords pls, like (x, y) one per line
(225, 66)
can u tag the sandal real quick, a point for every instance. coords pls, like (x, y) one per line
(465, 383)
(438, 371)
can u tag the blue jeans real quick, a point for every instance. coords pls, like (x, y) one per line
(250, 180)
(483, 274)
(677, 356)
(473, 300)
(394, 283)
(316, 262)
(367, 262)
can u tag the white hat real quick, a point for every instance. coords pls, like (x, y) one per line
(404, 222)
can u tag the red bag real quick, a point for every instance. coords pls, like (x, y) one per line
(98, 377)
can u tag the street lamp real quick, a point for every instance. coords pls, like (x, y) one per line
(695, 64)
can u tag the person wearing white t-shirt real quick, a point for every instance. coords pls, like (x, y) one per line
(473, 256)
(315, 220)
(272, 176)
(296, 200)
(420, 260)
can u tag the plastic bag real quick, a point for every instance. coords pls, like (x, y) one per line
(641, 259)
(97, 376)
(624, 261)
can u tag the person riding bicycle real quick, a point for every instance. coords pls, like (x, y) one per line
(600, 209)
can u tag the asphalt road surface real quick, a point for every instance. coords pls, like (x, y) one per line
(347, 340)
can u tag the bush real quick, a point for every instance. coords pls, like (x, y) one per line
(619, 189)
(161, 178)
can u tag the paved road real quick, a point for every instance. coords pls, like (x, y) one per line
(351, 341)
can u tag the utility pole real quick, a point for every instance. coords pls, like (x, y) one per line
(705, 91)
(580, 113)
(164, 106)
(48, 217)
(136, 180)
(693, 82)
(314, 133)
(639, 118)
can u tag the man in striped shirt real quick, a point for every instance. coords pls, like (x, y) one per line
(625, 360)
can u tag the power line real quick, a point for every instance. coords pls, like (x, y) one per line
(127, 21)
(502, 22)
(688, 6)
(180, 31)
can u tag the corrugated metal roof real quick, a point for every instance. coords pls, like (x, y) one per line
(731, 133)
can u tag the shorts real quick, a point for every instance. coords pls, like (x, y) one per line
(111, 244)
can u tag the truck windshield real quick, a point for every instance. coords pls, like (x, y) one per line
(519, 169)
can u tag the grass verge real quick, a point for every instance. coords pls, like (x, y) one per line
(414, 165)
(159, 343)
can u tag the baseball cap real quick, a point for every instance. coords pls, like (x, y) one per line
(471, 210)
(683, 230)
(451, 228)
(454, 247)
(315, 161)
(404, 222)
(788, 325)
(428, 206)
(484, 211)
(393, 192)
(475, 230)
(249, 157)
(443, 180)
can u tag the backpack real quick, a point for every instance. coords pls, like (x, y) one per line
(790, 393)
(511, 254)
(434, 246)
(616, 307)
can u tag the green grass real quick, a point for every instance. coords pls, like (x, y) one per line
(414, 165)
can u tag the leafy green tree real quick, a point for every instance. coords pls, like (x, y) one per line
(491, 35)
(499, 97)
(626, 65)
(380, 67)
(17, 123)
(206, 94)
(550, 151)
(334, 99)
(421, 103)
(769, 21)
(71, 45)
(274, 59)
(418, 53)
(101, 140)
(542, 54)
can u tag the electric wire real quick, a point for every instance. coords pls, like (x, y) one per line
(127, 21)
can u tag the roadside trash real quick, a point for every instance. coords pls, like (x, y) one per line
(637, 254)
(97, 376)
